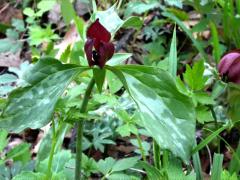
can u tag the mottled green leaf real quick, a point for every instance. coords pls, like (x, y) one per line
(32, 106)
(3, 139)
(167, 114)
(30, 176)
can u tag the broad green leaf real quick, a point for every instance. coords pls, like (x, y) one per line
(109, 19)
(217, 166)
(215, 42)
(194, 76)
(32, 106)
(234, 166)
(119, 176)
(3, 139)
(11, 45)
(113, 82)
(80, 25)
(172, 67)
(66, 53)
(118, 58)
(203, 98)
(59, 161)
(152, 172)
(30, 176)
(177, 3)
(181, 14)
(67, 11)
(174, 170)
(188, 32)
(133, 22)
(218, 89)
(124, 164)
(234, 101)
(112, 22)
(204, 114)
(28, 12)
(45, 6)
(37, 35)
(228, 176)
(46, 144)
(139, 7)
(124, 130)
(18, 24)
(167, 114)
(20, 153)
(7, 78)
(99, 76)
(106, 165)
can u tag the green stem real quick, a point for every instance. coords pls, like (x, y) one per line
(165, 159)
(141, 148)
(216, 126)
(79, 126)
(156, 155)
(49, 171)
(119, 4)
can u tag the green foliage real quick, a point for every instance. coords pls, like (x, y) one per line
(160, 118)
(227, 176)
(39, 35)
(67, 11)
(172, 67)
(11, 42)
(194, 77)
(188, 32)
(30, 176)
(39, 97)
(153, 86)
(209, 139)
(217, 166)
(111, 15)
(139, 7)
(42, 7)
(111, 167)
(20, 152)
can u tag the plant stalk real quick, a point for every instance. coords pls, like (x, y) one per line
(79, 126)
(54, 142)
(217, 127)
(156, 155)
(141, 148)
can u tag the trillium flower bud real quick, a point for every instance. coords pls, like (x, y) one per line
(98, 47)
(229, 66)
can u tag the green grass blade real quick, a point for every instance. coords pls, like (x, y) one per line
(197, 166)
(172, 67)
(215, 42)
(234, 166)
(217, 167)
(208, 139)
(188, 32)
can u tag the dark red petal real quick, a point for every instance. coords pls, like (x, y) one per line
(227, 61)
(98, 32)
(234, 72)
(88, 48)
(106, 51)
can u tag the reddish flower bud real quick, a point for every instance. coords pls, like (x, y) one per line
(229, 66)
(98, 47)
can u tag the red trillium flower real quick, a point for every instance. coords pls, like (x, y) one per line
(98, 47)
(229, 66)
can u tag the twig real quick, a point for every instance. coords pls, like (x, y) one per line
(4, 8)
